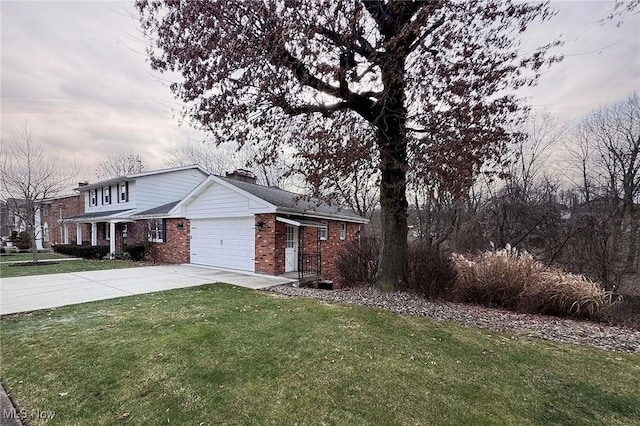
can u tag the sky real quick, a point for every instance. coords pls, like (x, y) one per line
(75, 73)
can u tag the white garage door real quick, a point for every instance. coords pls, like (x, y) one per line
(226, 243)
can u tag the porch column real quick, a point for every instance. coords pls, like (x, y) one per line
(79, 234)
(94, 234)
(37, 229)
(65, 236)
(112, 239)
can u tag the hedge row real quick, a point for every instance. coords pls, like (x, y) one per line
(85, 252)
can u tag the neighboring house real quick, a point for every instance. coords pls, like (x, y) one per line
(53, 212)
(6, 220)
(227, 222)
(48, 218)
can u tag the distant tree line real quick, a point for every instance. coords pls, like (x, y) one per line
(584, 217)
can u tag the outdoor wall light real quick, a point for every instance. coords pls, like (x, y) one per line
(180, 225)
(259, 225)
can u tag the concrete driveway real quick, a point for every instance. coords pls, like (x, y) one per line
(24, 294)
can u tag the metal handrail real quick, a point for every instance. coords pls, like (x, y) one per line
(309, 264)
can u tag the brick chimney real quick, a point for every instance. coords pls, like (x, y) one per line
(242, 175)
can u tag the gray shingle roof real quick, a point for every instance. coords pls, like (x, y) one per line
(160, 210)
(94, 215)
(291, 202)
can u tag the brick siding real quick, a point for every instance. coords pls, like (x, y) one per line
(270, 245)
(176, 247)
(65, 207)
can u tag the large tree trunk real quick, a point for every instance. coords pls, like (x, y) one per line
(394, 205)
(393, 248)
(392, 145)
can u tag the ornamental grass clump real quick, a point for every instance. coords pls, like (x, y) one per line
(495, 278)
(561, 293)
(516, 281)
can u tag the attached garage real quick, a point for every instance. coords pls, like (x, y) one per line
(225, 243)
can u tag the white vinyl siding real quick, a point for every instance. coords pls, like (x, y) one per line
(116, 203)
(220, 201)
(147, 192)
(156, 190)
(225, 243)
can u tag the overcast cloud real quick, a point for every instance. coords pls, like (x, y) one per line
(75, 72)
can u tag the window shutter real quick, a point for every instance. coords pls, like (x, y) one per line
(102, 191)
(164, 230)
(126, 185)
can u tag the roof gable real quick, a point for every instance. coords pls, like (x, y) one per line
(265, 199)
(134, 176)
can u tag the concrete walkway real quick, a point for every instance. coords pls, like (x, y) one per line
(24, 294)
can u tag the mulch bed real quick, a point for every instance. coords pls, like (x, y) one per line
(586, 333)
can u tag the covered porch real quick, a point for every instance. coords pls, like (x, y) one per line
(302, 248)
(114, 228)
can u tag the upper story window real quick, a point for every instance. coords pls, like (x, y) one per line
(93, 197)
(343, 231)
(124, 192)
(106, 195)
(157, 230)
(323, 233)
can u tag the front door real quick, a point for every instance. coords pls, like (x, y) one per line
(291, 249)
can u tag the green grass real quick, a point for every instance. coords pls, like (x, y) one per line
(8, 271)
(26, 257)
(219, 354)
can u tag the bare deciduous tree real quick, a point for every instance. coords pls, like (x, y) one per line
(212, 158)
(435, 82)
(218, 160)
(615, 131)
(29, 177)
(121, 163)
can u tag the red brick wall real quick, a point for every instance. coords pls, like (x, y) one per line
(330, 248)
(174, 250)
(270, 245)
(176, 247)
(69, 206)
(266, 260)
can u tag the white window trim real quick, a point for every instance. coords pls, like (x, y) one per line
(123, 191)
(324, 237)
(93, 197)
(343, 230)
(156, 233)
(106, 198)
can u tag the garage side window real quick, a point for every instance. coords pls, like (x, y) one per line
(323, 232)
(157, 230)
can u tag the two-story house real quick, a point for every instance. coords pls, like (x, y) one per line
(227, 222)
(111, 206)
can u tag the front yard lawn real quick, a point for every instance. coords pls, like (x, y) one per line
(219, 354)
(8, 271)
(26, 257)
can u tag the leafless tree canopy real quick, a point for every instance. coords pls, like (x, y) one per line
(121, 163)
(28, 177)
(433, 81)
